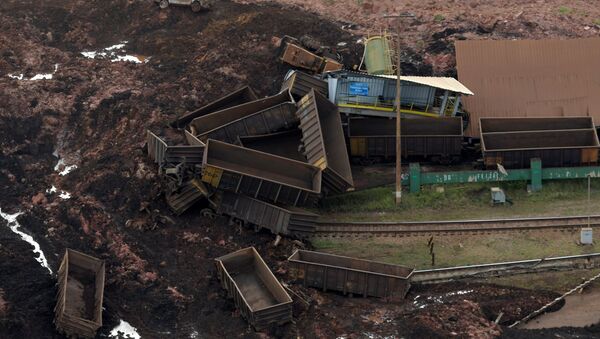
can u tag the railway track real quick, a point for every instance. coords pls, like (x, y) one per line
(335, 229)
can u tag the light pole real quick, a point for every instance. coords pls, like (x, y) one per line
(398, 111)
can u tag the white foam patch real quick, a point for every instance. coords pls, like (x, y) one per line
(13, 224)
(126, 330)
(64, 195)
(67, 170)
(111, 53)
(43, 76)
(51, 190)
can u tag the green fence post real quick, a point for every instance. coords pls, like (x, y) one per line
(415, 177)
(536, 174)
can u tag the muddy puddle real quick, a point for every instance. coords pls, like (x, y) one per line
(580, 310)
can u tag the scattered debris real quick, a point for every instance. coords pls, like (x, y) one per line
(124, 329)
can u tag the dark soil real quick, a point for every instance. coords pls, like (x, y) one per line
(160, 274)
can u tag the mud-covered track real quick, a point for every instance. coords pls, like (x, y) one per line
(335, 229)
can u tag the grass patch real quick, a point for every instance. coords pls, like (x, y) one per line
(559, 282)
(439, 18)
(456, 250)
(565, 10)
(463, 201)
(597, 22)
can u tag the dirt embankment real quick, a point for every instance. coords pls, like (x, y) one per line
(93, 113)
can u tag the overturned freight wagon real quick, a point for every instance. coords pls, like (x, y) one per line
(237, 97)
(324, 142)
(78, 311)
(260, 175)
(513, 142)
(255, 291)
(290, 221)
(161, 153)
(374, 139)
(262, 116)
(349, 275)
(300, 84)
(285, 144)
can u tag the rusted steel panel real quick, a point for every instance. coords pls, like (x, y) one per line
(536, 138)
(299, 84)
(299, 57)
(493, 125)
(529, 78)
(349, 275)
(235, 98)
(376, 137)
(78, 311)
(186, 196)
(271, 120)
(156, 147)
(260, 175)
(161, 153)
(284, 144)
(324, 142)
(201, 126)
(192, 140)
(290, 221)
(256, 292)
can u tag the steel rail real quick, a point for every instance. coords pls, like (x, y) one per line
(399, 229)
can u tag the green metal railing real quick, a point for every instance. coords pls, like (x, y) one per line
(535, 175)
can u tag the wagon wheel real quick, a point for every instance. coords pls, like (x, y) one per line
(163, 4)
(196, 6)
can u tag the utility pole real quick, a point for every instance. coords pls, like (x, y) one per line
(398, 108)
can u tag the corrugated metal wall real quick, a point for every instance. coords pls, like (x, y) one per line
(530, 78)
(382, 89)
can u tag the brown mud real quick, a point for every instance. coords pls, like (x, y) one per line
(93, 113)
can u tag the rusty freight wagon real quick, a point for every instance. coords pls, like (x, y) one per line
(349, 275)
(513, 142)
(374, 139)
(78, 311)
(235, 98)
(290, 221)
(262, 116)
(299, 84)
(255, 291)
(161, 153)
(260, 175)
(324, 142)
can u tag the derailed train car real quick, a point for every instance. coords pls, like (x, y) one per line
(256, 292)
(349, 275)
(261, 116)
(564, 141)
(78, 311)
(374, 139)
(290, 221)
(260, 175)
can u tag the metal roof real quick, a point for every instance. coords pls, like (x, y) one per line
(530, 78)
(446, 83)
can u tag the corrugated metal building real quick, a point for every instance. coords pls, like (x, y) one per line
(374, 95)
(527, 78)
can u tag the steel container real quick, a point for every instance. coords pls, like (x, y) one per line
(260, 175)
(285, 144)
(290, 221)
(513, 142)
(256, 292)
(324, 142)
(436, 138)
(299, 84)
(262, 116)
(235, 98)
(78, 311)
(349, 275)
